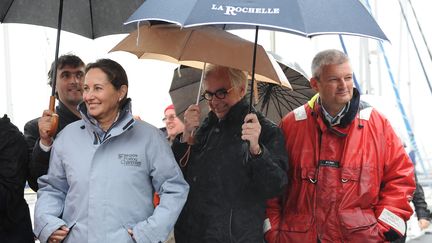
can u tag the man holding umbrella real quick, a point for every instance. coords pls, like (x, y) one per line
(350, 179)
(229, 182)
(70, 77)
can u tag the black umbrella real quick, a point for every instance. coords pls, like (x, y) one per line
(273, 100)
(89, 18)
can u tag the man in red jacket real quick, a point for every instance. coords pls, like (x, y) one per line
(350, 179)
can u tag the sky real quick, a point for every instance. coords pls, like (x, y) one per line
(27, 51)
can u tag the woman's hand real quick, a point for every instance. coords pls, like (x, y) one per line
(59, 235)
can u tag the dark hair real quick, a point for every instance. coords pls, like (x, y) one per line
(64, 60)
(114, 71)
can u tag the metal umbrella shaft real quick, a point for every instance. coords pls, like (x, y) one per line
(54, 118)
(253, 69)
(54, 73)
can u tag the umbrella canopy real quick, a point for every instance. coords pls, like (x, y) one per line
(274, 101)
(88, 18)
(195, 46)
(302, 17)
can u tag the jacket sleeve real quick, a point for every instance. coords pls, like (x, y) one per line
(273, 217)
(274, 210)
(51, 197)
(419, 202)
(396, 189)
(269, 170)
(38, 159)
(168, 182)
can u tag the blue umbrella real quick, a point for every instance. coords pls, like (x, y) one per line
(301, 17)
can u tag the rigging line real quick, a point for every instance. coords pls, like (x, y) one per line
(399, 102)
(415, 47)
(421, 30)
(354, 76)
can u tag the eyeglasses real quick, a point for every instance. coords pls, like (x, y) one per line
(220, 94)
(169, 118)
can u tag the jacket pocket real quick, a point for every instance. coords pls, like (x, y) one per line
(309, 174)
(356, 218)
(359, 224)
(350, 174)
(361, 182)
(298, 222)
(299, 207)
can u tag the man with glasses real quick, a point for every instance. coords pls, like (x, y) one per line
(69, 81)
(173, 124)
(236, 162)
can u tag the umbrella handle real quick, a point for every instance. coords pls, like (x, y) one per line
(191, 138)
(54, 118)
(185, 158)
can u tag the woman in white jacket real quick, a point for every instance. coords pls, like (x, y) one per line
(104, 169)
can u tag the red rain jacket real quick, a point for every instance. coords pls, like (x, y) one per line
(351, 188)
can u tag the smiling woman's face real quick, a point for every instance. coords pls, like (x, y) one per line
(100, 96)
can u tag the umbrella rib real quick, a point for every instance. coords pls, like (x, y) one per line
(7, 11)
(91, 19)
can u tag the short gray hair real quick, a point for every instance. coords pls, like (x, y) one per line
(327, 57)
(237, 77)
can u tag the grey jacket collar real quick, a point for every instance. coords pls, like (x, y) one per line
(123, 122)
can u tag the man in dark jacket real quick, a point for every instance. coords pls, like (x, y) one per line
(69, 81)
(236, 162)
(15, 222)
(423, 214)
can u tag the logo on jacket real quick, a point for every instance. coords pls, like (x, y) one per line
(129, 159)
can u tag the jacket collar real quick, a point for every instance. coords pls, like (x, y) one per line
(64, 112)
(123, 122)
(350, 114)
(236, 113)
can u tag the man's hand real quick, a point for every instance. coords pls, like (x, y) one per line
(44, 124)
(251, 130)
(423, 223)
(191, 121)
(59, 235)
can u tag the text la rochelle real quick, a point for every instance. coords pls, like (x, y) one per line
(231, 10)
